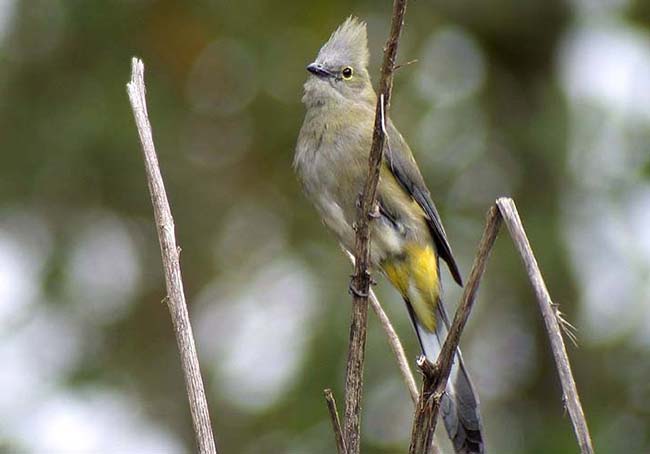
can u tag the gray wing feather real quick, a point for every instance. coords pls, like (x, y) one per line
(468, 407)
(406, 171)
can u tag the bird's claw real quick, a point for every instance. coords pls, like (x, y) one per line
(356, 292)
(374, 213)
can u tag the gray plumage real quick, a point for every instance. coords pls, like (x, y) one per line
(331, 162)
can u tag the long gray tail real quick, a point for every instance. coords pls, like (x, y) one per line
(460, 406)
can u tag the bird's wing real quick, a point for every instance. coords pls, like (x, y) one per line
(402, 164)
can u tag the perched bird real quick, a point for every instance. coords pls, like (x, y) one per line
(407, 237)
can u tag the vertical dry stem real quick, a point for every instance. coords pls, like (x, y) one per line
(393, 340)
(360, 284)
(170, 258)
(550, 316)
(336, 423)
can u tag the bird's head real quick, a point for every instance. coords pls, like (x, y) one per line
(340, 70)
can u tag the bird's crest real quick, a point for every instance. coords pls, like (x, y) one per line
(347, 45)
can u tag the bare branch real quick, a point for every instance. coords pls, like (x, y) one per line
(171, 265)
(551, 315)
(393, 340)
(360, 284)
(396, 346)
(436, 376)
(336, 423)
(404, 65)
(424, 419)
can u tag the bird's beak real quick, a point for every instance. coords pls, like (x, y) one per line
(319, 70)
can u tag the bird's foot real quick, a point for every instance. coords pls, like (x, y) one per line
(374, 213)
(356, 292)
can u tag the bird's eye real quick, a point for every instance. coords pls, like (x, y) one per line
(347, 72)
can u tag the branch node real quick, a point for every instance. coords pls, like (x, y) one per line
(374, 213)
(429, 370)
(355, 291)
(393, 340)
(403, 65)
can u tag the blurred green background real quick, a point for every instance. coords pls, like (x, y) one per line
(546, 101)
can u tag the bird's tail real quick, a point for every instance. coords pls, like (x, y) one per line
(459, 407)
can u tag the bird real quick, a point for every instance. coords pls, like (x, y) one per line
(407, 238)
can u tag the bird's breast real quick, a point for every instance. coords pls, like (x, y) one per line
(332, 164)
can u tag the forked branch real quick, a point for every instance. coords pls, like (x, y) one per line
(393, 340)
(436, 376)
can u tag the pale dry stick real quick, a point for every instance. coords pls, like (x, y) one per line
(396, 346)
(398, 349)
(170, 258)
(436, 376)
(360, 283)
(550, 316)
(336, 423)
(393, 340)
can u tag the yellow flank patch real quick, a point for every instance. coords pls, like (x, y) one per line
(415, 275)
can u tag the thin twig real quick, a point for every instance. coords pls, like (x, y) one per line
(170, 258)
(436, 376)
(396, 346)
(393, 340)
(336, 423)
(404, 65)
(550, 316)
(360, 284)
